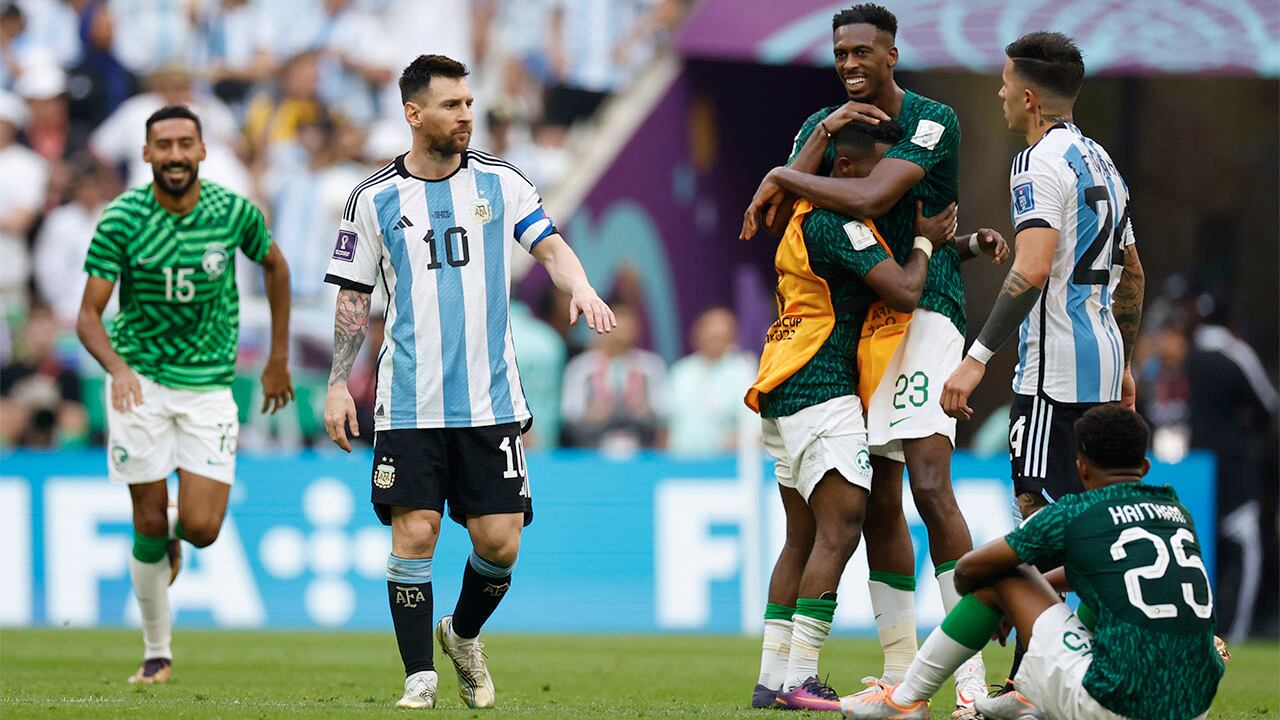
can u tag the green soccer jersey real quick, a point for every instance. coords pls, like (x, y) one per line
(1131, 553)
(931, 140)
(179, 319)
(832, 372)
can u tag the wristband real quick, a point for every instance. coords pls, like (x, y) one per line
(923, 244)
(974, 248)
(980, 352)
(823, 124)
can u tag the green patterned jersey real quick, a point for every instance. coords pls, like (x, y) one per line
(1131, 553)
(833, 370)
(179, 319)
(931, 140)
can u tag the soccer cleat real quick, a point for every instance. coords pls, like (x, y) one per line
(419, 691)
(813, 694)
(155, 671)
(475, 685)
(1011, 705)
(764, 698)
(873, 685)
(876, 703)
(971, 684)
(173, 549)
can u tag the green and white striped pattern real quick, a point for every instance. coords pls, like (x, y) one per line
(179, 319)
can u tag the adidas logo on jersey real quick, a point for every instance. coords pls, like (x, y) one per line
(405, 222)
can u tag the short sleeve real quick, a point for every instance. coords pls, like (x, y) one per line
(532, 223)
(357, 251)
(853, 244)
(1126, 232)
(802, 137)
(1041, 536)
(106, 256)
(255, 240)
(1037, 194)
(935, 138)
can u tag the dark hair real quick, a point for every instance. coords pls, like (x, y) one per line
(864, 136)
(869, 13)
(417, 76)
(1112, 437)
(171, 112)
(1049, 60)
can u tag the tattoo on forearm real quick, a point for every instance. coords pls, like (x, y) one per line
(351, 322)
(1126, 308)
(1017, 297)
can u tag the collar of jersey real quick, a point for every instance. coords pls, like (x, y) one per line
(404, 171)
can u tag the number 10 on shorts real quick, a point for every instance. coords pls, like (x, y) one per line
(515, 457)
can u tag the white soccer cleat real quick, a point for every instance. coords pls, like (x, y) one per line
(419, 691)
(971, 684)
(475, 684)
(1012, 705)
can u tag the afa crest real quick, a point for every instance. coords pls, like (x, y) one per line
(384, 475)
(482, 211)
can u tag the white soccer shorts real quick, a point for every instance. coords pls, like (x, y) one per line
(907, 402)
(828, 436)
(1052, 671)
(189, 429)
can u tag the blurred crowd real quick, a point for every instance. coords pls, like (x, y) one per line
(298, 103)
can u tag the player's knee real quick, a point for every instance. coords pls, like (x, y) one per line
(151, 524)
(200, 532)
(500, 551)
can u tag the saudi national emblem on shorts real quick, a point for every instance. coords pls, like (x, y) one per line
(482, 211)
(384, 475)
(214, 261)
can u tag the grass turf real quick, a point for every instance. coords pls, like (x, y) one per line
(81, 673)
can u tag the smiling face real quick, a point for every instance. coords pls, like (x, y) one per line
(865, 58)
(442, 113)
(174, 151)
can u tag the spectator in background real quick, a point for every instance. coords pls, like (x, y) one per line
(357, 56)
(705, 389)
(274, 115)
(99, 82)
(540, 351)
(64, 240)
(153, 34)
(591, 54)
(613, 392)
(39, 396)
(49, 130)
(23, 177)
(235, 47)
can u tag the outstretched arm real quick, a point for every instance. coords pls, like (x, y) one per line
(868, 197)
(277, 387)
(1126, 308)
(1021, 290)
(568, 276)
(351, 323)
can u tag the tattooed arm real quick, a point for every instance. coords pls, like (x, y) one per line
(351, 323)
(1126, 308)
(1017, 297)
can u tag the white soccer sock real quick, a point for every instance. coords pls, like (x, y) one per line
(895, 612)
(807, 637)
(151, 585)
(172, 513)
(775, 653)
(939, 657)
(973, 670)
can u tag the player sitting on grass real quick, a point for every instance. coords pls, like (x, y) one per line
(830, 270)
(1141, 644)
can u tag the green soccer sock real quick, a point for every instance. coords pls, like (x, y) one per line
(971, 623)
(149, 549)
(778, 611)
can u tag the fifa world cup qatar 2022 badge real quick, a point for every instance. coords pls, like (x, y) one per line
(345, 248)
(481, 210)
(384, 475)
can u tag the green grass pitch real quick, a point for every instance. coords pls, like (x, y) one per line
(67, 673)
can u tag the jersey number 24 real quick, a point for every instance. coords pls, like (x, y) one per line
(1106, 241)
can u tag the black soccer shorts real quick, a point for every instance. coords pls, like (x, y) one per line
(1042, 446)
(474, 471)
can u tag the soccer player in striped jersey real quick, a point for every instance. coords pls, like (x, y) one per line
(436, 227)
(1074, 292)
(171, 355)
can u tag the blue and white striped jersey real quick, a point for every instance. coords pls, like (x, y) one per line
(1070, 349)
(442, 249)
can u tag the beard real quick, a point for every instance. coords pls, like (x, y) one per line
(179, 189)
(450, 144)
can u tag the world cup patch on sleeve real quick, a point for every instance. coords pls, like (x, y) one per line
(345, 249)
(928, 133)
(859, 234)
(1024, 198)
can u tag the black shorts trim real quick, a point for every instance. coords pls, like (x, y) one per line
(1042, 446)
(468, 471)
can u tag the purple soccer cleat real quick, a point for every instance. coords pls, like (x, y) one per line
(764, 698)
(813, 694)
